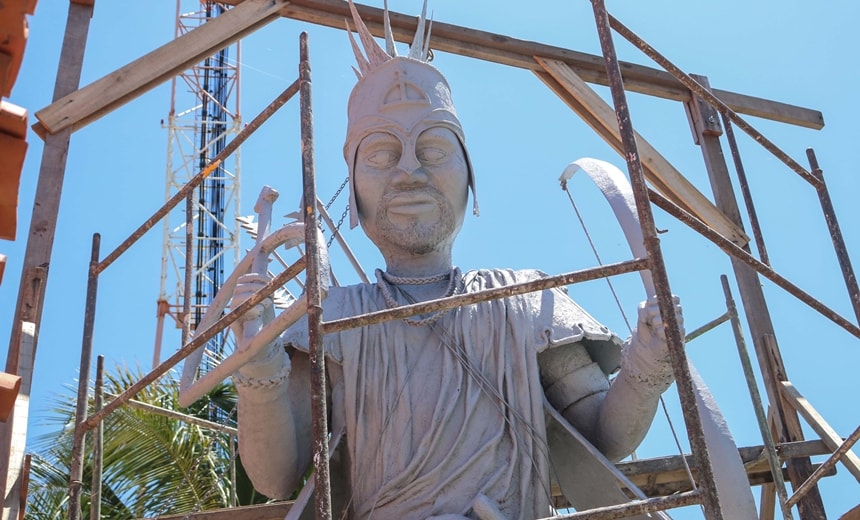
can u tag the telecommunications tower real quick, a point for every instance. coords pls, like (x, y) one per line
(204, 110)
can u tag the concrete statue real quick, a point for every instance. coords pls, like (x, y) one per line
(443, 413)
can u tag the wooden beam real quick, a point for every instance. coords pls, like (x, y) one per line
(121, 86)
(668, 474)
(145, 73)
(755, 307)
(21, 355)
(276, 511)
(658, 171)
(821, 427)
(513, 52)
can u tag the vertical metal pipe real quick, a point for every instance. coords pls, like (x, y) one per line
(683, 378)
(835, 234)
(76, 469)
(322, 495)
(98, 443)
(745, 190)
(761, 416)
(189, 267)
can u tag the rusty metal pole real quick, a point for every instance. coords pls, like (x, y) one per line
(755, 396)
(706, 95)
(824, 468)
(76, 469)
(98, 444)
(742, 256)
(835, 234)
(683, 378)
(745, 190)
(200, 339)
(319, 414)
(192, 183)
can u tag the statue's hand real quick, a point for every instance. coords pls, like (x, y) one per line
(270, 363)
(246, 286)
(646, 357)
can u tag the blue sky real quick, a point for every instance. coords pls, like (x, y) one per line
(520, 137)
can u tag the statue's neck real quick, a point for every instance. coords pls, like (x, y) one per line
(409, 265)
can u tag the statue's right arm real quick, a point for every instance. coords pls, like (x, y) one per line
(274, 409)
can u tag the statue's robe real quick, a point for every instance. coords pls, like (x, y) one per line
(428, 433)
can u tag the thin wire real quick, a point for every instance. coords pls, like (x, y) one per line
(624, 315)
(485, 385)
(680, 449)
(597, 256)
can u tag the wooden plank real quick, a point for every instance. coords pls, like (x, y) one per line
(767, 508)
(758, 316)
(121, 86)
(276, 511)
(446, 37)
(513, 52)
(659, 171)
(37, 257)
(668, 475)
(821, 427)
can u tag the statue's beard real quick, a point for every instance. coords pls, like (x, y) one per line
(416, 236)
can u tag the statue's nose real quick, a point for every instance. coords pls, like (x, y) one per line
(409, 163)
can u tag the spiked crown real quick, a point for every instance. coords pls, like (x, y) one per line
(399, 94)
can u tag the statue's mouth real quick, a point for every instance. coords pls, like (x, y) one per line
(411, 204)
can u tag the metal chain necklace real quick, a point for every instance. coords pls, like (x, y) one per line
(383, 280)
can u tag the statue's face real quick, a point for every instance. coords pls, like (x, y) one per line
(411, 193)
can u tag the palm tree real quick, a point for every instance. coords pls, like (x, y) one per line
(153, 465)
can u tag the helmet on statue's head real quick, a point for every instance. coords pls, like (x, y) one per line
(400, 95)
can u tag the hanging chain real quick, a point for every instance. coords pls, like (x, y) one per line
(334, 197)
(337, 193)
(336, 229)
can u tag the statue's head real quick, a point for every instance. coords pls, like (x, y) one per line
(409, 171)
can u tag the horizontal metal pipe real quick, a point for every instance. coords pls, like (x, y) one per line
(450, 302)
(706, 327)
(183, 193)
(173, 414)
(730, 248)
(636, 507)
(200, 339)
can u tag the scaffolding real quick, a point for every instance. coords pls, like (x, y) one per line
(566, 73)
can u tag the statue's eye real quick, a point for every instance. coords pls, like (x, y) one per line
(382, 158)
(431, 155)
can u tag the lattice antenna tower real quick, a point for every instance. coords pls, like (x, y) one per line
(204, 111)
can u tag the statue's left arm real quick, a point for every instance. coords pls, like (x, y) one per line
(646, 372)
(616, 417)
